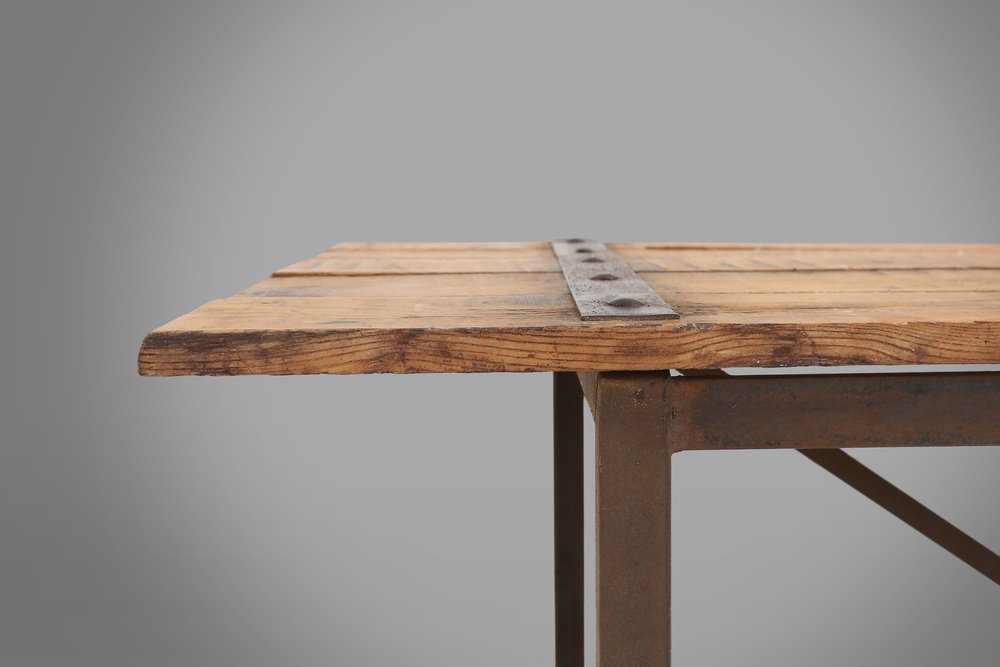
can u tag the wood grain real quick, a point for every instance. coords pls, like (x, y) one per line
(399, 258)
(816, 258)
(557, 310)
(404, 308)
(725, 282)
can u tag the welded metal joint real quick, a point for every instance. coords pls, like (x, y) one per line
(604, 286)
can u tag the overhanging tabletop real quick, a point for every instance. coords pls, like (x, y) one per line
(468, 307)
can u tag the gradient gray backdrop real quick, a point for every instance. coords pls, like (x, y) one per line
(155, 155)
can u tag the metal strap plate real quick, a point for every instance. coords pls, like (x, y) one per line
(604, 286)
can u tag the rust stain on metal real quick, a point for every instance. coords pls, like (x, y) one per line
(633, 518)
(834, 411)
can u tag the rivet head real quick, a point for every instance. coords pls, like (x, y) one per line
(604, 276)
(584, 250)
(576, 240)
(593, 260)
(625, 302)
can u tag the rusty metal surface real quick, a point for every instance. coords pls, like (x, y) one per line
(835, 411)
(642, 418)
(604, 286)
(588, 383)
(633, 519)
(907, 509)
(567, 404)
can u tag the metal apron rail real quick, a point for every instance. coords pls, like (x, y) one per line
(920, 404)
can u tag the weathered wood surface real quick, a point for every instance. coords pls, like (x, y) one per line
(401, 308)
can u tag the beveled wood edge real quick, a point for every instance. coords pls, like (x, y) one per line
(175, 352)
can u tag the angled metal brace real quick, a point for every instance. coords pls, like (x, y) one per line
(904, 507)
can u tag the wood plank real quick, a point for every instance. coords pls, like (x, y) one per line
(532, 311)
(190, 347)
(876, 280)
(381, 259)
(395, 258)
(417, 285)
(826, 247)
(765, 282)
(837, 306)
(525, 320)
(764, 258)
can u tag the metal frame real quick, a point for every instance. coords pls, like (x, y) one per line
(643, 418)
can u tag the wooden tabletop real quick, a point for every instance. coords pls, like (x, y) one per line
(460, 307)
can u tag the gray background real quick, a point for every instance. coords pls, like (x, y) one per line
(156, 155)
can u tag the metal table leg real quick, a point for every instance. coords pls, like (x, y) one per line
(633, 519)
(567, 451)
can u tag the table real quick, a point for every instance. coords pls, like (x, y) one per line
(642, 333)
